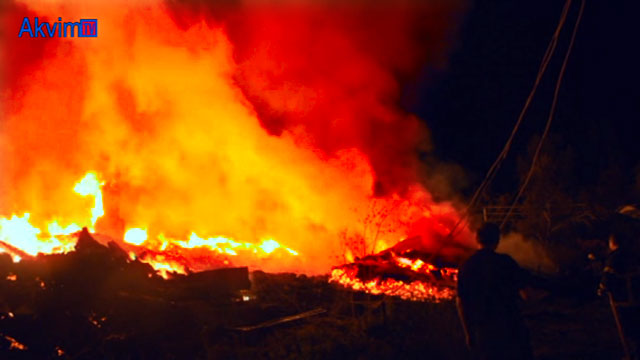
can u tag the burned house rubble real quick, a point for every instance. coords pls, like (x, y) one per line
(99, 302)
(96, 302)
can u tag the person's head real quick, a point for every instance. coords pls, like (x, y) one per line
(488, 236)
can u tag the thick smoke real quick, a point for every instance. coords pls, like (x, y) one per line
(335, 69)
(248, 120)
(527, 253)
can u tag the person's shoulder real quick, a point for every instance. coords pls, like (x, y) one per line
(480, 259)
(469, 263)
(508, 260)
(505, 257)
(474, 258)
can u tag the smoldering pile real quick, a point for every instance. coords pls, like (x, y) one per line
(98, 302)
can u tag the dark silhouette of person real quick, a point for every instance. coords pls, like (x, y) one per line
(621, 279)
(489, 290)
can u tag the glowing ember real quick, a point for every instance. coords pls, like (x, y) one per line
(424, 282)
(416, 291)
(15, 344)
(163, 265)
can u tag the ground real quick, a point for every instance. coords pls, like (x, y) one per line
(157, 324)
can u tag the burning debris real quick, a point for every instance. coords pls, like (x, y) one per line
(97, 294)
(409, 275)
(400, 271)
(14, 344)
(21, 239)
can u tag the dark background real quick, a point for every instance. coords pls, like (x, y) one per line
(472, 105)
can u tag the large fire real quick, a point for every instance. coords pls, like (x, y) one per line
(266, 136)
(18, 236)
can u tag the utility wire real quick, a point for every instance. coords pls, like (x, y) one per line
(503, 154)
(543, 67)
(550, 118)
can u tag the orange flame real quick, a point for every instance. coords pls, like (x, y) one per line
(431, 288)
(416, 290)
(89, 185)
(183, 171)
(21, 235)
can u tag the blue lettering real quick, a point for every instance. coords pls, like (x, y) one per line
(51, 29)
(72, 24)
(26, 27)
(38, 28)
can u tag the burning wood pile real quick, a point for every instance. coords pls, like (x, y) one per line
(97, 301)
(410, 275)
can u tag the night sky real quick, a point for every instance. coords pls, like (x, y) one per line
(472, 105)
